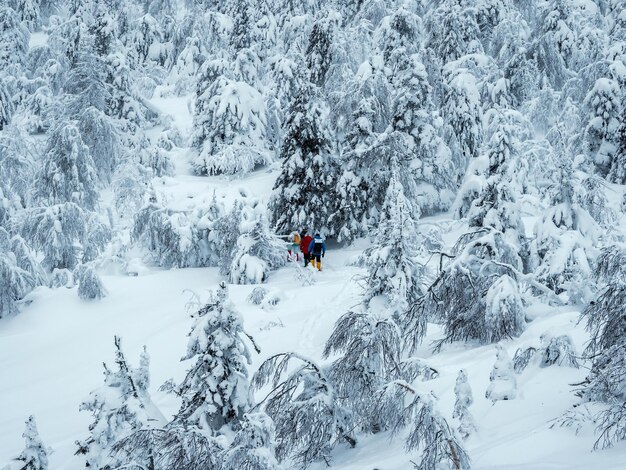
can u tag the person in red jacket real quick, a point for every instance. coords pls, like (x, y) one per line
(305, 241)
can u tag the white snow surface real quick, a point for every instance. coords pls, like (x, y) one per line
(51, 354)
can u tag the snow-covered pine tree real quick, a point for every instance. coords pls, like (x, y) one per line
(230, 129)
(119, 407)
(304, 193)
(90, 285)
(258, 250)
(305, 408)
(215, 391)
(503, 384)
(464, 400)
(429, 430)
(496, 208)
(253, 445)
(67, 174)
(35, 455)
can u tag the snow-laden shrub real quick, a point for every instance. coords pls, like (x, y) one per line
(158, 161)
(257, 295)
(65, 234)
(464, 400)
(552, 351)
(258, 250)
(178, 239)
(503, 384)
(253, 445)
(90, 286)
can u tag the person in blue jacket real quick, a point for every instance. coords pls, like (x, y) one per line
(317, 250)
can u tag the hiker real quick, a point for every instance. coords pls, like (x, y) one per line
(304, 247)
(296, 244)
(317, 250)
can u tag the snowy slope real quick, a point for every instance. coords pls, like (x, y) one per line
(52, 352)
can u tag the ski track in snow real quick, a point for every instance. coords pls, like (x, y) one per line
(51, 354)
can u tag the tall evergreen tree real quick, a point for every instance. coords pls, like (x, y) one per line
(303, 194)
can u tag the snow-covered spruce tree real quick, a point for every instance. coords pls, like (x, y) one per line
(429, 432)
(230, 129)
(6, 105)
(253, 445)
(503, 384)
(258, 250)
(303, 194)
(392, 271)
(607, 349)
(90, 286)
(617, 173)
(453, 31)
(319, 49)
(464, 400)
(305, 409)
(225, 235)
(35, 455)
(86, 84)
(496, 208)
(118, 408)
(369, 345)
(425, 159)
(215, 391)
(14, 38)
(67, 174)
(603, 104)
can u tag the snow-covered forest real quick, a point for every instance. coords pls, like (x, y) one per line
(463, 160)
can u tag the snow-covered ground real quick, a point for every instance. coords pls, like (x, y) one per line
(51, 354)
